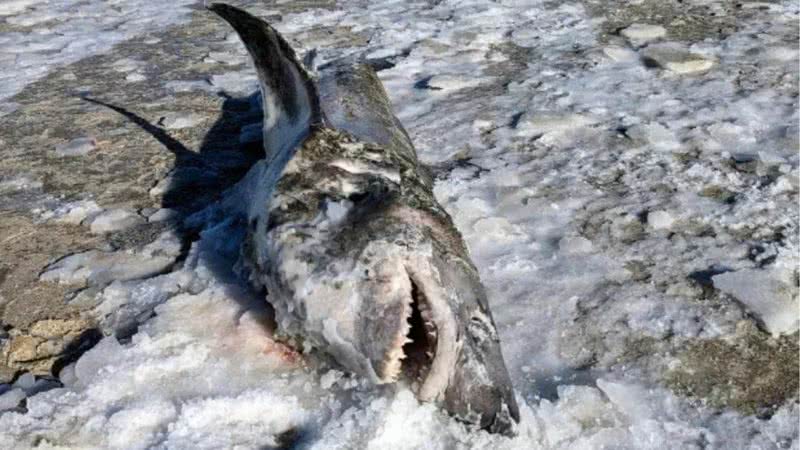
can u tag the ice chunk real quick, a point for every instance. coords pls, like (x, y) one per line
(675, 58)
(100, 268)
(105, 353)
(11, 399)
(641, 33)
(76, 147)
(553, 123)
(631, 400)
(176, 121)
(773, 299)
(660, 219)
(25, 382)
(163, 214)
(574, 245)
(77, 212)
(115, 220)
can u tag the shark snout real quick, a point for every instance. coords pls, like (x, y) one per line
(443, 341)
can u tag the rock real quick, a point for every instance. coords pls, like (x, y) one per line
(57, 328)
(22, 349)
(660, 220)
(747, 371)
(115, 220)
(641, 33)
(76, 147)
(176, 121)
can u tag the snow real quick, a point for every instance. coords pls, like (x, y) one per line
(614, 179)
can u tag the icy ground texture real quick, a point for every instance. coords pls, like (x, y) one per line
(621, 198)
(38, 35)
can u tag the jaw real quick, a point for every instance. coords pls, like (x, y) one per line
(444, 345)
(424, 350)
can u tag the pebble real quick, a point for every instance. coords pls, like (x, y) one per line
(115, 220)
(77, 147)
(641, 33)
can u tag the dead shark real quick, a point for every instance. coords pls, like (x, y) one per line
(358, 258)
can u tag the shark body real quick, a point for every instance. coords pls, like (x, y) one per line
(358, 258)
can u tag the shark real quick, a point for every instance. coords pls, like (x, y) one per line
(357, 257)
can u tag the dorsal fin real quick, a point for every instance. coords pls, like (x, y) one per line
(289, 95)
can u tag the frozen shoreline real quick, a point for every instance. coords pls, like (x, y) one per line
(626, 198)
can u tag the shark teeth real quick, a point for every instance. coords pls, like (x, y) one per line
(413, 348)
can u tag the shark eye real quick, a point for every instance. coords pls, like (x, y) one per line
(481, 328)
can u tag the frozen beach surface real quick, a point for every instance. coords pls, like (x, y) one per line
(625, 175)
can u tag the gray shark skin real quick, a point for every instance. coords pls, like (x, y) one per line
(358, 258)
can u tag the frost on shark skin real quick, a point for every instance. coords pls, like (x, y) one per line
(358, 258)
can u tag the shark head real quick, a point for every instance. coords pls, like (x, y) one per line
(422, 316)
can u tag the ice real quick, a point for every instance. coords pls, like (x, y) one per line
(102, 267)
(25, 381)
(10, 399)
(641, 33)
(106, 353)
(75, 213)
(176, 121)
(115, 220)
(767, 293)
(76, 147)
(660, 220)
(600, 198)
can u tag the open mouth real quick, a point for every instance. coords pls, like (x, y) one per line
(419, 349)
(424, 351)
